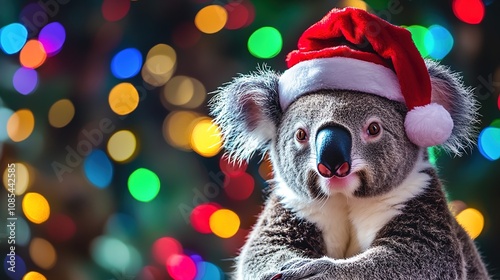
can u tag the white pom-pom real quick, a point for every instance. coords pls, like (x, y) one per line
(428, 125)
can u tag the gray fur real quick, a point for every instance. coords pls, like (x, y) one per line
(423, 241)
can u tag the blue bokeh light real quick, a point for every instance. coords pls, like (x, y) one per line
(127, 63)
(52, 37)
(25, 80)
(208, 271)
(98, 169)
(489, 143)
(13, 37)
(438, 41)
(19, 269)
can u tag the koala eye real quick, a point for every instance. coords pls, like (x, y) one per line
(373, 129)
(301, 135)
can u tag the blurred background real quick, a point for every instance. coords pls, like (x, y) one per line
(118, 170)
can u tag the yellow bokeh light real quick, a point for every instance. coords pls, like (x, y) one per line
(20, 125)
(185, 92)
(206, 138)
(42, 253)
(122, 145)
(472, 221)
(160, 65)
(177, 129)
(36, 208)
(61, 113)
(224, 223)
(21, 179)
(33, 275)
(354, 3)
(123, 99)
(211, 19)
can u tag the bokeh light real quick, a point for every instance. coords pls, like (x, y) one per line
(33, 54)
(208, 271)
(20, 125)
(34, 275)
(469, 11)
(36, 208)
(61, 113)
(354, 3)
(123, 99)
(143, 184)
(224, 223)
(23, 232)
(13, 37)
(422, 40)
(211, 19)
(126, 63)
(42, 253)
(472, 221)
(25, 80)
(232, 167)
(185, 92)
(60, 227)
(433, 155)
(165, 247)
(20, 265)
(186, 35)
(122, 145)
(489, 143)
(240, 14)
(114, 255)
(438, 41)
(23, 178)
(200, 217)
(114, 10)
(265, 42)
(266, 169)
(239, 186)
(181, 267)
(178, 127)
(160, 65)
(5, 114)
(206, 139)
(52, 37)
(98, 169)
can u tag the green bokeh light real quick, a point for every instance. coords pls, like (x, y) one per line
(143, 184)
(265, 42)
(433, 155)
(422, 38)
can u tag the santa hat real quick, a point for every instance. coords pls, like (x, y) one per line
(351, 49)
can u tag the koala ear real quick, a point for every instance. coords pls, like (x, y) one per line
(449, 91)
(247, 111)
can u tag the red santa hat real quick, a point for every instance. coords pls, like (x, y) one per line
(352, 49)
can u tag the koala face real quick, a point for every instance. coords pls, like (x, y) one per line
(378, 155)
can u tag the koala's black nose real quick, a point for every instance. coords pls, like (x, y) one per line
(333, 151)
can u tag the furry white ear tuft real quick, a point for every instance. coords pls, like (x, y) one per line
(428, 125)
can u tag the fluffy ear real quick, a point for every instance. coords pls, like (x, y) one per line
(449, 91)
(247, 111)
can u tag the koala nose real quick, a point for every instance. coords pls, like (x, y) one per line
(333, 151)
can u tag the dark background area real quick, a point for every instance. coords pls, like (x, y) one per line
(108, 219)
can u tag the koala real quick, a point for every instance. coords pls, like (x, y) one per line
(352, 196)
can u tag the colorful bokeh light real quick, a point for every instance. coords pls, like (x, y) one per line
(122, 145)
(5, 114)
(211, 19)
(178, 127)
(206, 139)
(185, 92)
(422, 39)
(472, 221)
(20, 125)
(20, 266)
(114, 10)
(232, 166)
(98, 169)
(13, 37)
(181, 267)
(126, 63)
(239, 186)
(224, 223)
(143, 185)
(200, 217)
(36, 208)
(33, 54)
(25, 80)
(115, 255)
(34, 275)
(265, 42)
(354, 3)
(23, 178)
(240, 14)
(438, 41)
(60, 227)
(123, 99)
(208, 271)
(165, 247)
(61, 113)
(160, 65)
(42, 253)
(469, 11)
(52, 37)
(489, 143)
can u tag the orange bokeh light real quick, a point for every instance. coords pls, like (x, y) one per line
(33, 54)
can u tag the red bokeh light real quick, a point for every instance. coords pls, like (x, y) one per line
(469, 11)
(239, 186)
(200, 217)
(114, 10)
(164, 248)
(232, 167)
(60, 227)
(181, 267)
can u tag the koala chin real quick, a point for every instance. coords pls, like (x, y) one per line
(353, 196)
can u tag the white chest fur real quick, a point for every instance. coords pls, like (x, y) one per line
(350, 224)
